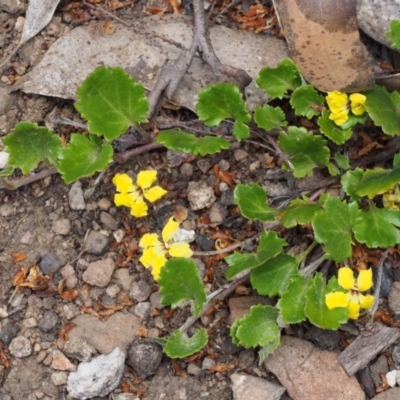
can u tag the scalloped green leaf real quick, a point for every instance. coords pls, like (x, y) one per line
(378, 227)
(268, 117)
(299, 212)
(306, 150)
(252, 201)
(377, 181)
(293, 300)
(28, 144)
(7, 171)
(333, 132)
(350, 181)
(383, 108)
(178, 140)
(258, 328)
(180, 281)
(306, 101)
(221, 101)
(179, 345)
(270, 245)
(84, 156)
(277, 81)
(111, 101)
(394, 33)
(333, 227)
(273, 276)
(265, 351)
(315, 308)
(341, 160)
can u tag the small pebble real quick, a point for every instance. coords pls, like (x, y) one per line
(207, 363)
(108, 221)
(144, 356)
(69, 275)
(20, 347)
(140, 291)
(193, 369)
(75, 197)
(99, 273)
(50, 263)
(204, 242)
(6, 210)
(200, 195)
(224, 165)
(155, 301)
(96, 243)
(113, 290)
(186, 169)
(123, 278)
(79, 349)
(48, 302)
(118, 235)
(59, 378)
(61, 226)
(217, 213)
(104, 204)
(61, 362)
(9, 332)
(142, 310)
(48, 322)
(204, 165)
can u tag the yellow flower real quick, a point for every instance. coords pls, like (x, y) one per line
(340, 105)
(131, 195)
(155, 251)
(353, 299)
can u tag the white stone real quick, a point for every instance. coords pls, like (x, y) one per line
(59, 378)
(75, 197)
(20, 347)
(3, 159)
(391, 378)
(183, 235)
(97, 377)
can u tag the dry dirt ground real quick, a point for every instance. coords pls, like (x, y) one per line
(39, 227)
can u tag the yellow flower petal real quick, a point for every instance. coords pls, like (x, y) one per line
(339, 118)
(336, 300)
(364, 280)
(123, 183)
(357, 101)
(155, 193)
(169, 230)
(180, 249)
(149, 240)
(367, 301)
(124, 199)
(146, 178)
(139, 208)
(354, 310)
(148, 257)
(336, 101)
(158, 263)
(346, 278)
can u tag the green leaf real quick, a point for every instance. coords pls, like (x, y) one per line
(184, 142)
(179, 281)
(341, 160)
(383, 108)
(258, 328)
(265, 351)
(252, 201)
(333, 227)
(299, 212)
(394, 33)
(317, 311)
(270, 245)
(221, 101)
(377, 181)
(7, 171)
(350, 181)
(333, 169)
(333, 132)
(83, 157)
(376, 227)
(306, 101)
(293, 300)
(180, 346)
(273, 276)
(111, 101)
(277, 81)
(28, 144)
(268, 117)
(305, 149)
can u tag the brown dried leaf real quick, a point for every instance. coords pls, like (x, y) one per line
(324, 41)
(178, 370)
(64, 332)
(222, 368)
(18, 257)
(20, 276)
(69, 295)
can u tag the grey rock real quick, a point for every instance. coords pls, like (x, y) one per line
(140, 291)
(309, 373)
(12, 6)
(217, 213)
(96, 243)
(4, 396)
(186, 169)
(365, 379)
(394, 298)
(49, 302)
(155, 300)
(50, 263)
(228, 347)
(20, 347)
(117, 331)
(240, 154)
(380, 367)
(204, 242)
(144, 356)
(48, 322)
(204, 165)
(9, 332)
(396, 355)
(246, 387)
(59, 378)
(226, 198)
(123, 278)
(208, 363)
(79, 349)
(75, 197)
(61, 226)
(108, 221)
(386, 281)
(142, 310)
(60, 362)
(224, 165)
(323, 338)
(6, 210)
(391, 394)
(99, 273)
(200, 195)
(69, 276)
(247, 359)
(193, 369)
(104, 204)
(97, 377)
